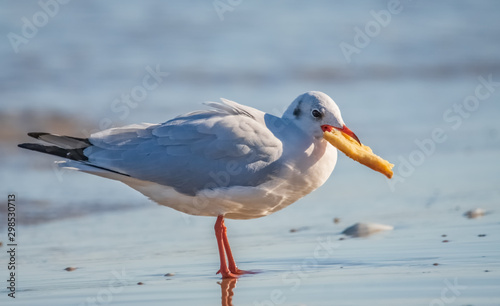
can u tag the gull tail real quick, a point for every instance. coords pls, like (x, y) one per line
(71, 148)
(65, 146)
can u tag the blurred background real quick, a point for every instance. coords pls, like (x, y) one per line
(417, 81)
(68, 68)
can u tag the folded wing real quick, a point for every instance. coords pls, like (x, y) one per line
(223, 147)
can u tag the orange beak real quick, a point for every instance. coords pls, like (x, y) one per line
(344, 129)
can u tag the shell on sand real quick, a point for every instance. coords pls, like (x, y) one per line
(366, 229)
(475, 213)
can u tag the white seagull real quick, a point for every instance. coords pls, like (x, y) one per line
(231, 161)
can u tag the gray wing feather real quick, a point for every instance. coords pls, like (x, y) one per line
(64, 142)
(215, 148)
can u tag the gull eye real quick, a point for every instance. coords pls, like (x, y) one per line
(316, 113)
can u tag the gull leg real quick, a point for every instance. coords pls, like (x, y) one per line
(219, 234)
(231, 263)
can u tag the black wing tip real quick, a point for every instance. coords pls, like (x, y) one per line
(35, 147)
(25, 146)
(37, 135)
(73, 154)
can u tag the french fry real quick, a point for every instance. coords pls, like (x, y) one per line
(360, 153)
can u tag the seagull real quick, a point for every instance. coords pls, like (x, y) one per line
(230, 161)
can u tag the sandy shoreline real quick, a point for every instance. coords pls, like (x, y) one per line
(114, 251)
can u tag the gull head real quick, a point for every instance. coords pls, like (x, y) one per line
(315, 112)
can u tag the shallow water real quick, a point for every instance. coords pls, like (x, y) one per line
(406, 83)
(114, 251)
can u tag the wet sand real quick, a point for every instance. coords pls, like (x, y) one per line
(114, 251)
(120, 247)
(84, 240)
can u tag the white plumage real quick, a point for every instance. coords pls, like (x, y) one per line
(231, 160)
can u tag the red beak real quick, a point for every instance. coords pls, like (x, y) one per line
(344, 129)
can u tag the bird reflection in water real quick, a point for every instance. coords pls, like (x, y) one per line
(226, 287)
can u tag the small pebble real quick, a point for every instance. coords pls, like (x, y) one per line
(446, 241)
(435, 264)
(481, 235)
(366, 229)
(341, 238)
(299, 229)
(336, 220)
(140, 283)
(475, 213)
(169, 274)
(443, 235)
(486, 270)
(70, 269)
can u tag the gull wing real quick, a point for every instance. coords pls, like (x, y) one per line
(229, 145)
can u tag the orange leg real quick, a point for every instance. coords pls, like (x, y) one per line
(231, 263)
(219, 234)
(229, 270)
